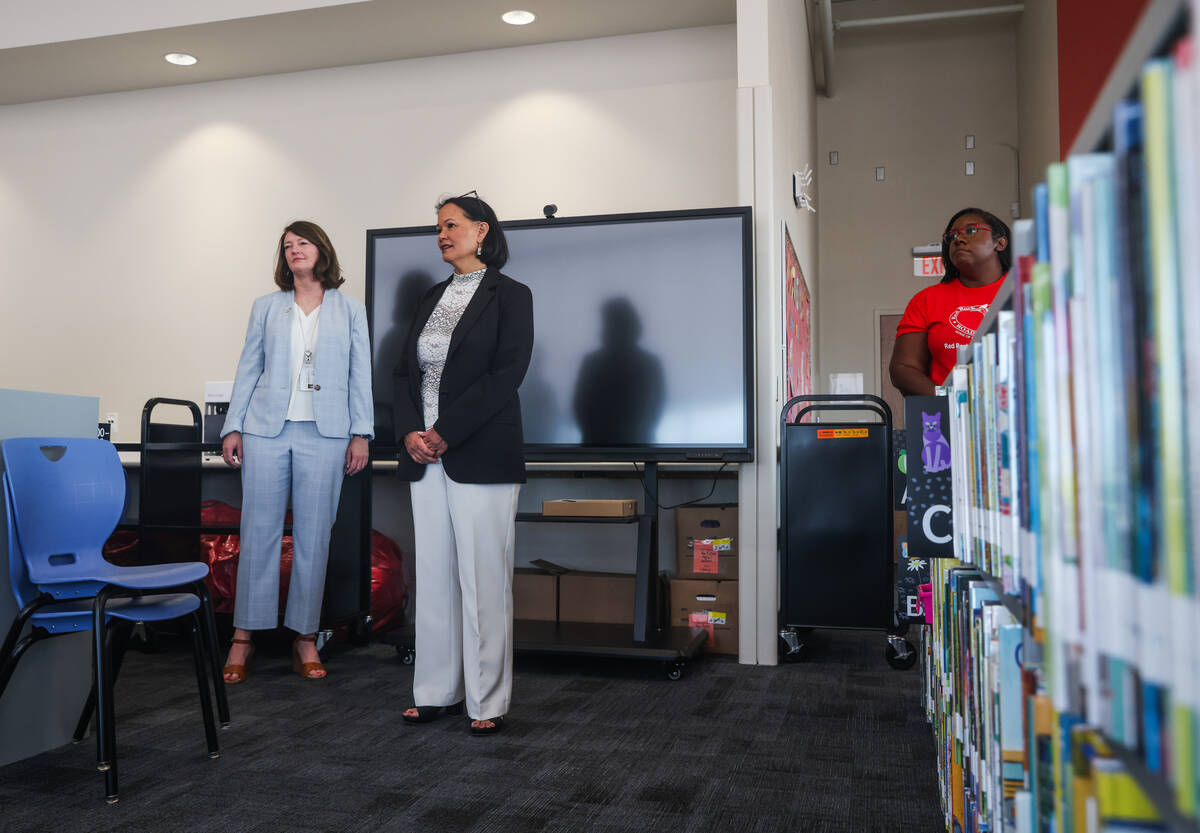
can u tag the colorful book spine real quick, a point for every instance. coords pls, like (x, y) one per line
(1186, 613)
(1170, 579)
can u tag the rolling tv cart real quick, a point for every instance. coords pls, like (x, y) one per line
(169, 525)
(836, 530)
(648, 638)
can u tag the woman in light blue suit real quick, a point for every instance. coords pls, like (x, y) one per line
(299, 419)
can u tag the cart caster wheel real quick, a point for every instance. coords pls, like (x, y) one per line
(791, 650)
(360, 631)
(901, 661)
(675, 671)
(898, 629)
(407, 655)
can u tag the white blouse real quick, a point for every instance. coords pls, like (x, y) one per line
(434, 342)
(304, 337)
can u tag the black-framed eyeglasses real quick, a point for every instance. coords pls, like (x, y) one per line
(472, 193)
(968, 231)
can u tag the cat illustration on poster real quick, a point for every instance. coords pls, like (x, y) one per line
(935, 450)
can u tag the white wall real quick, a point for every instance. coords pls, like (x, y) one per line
(904, 98)
(139, 226)
(1037, 95)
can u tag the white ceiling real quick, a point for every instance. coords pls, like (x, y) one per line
(62, 48)
(310, 38)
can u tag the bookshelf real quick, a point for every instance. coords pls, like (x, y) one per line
(1062, 669)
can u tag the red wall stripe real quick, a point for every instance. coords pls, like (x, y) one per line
(1091, 34)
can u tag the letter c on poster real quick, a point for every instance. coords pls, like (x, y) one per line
(927, 527)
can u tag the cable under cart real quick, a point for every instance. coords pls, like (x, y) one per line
(836, 524)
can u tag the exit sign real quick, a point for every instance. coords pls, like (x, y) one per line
(929, 266)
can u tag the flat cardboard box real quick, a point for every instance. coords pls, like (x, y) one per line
(596, 597)
(713, 522)
(590, 508)
(715, 602)
(535, 595)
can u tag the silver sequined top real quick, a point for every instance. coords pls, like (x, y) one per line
(434, 342)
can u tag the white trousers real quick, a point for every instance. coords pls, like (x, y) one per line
(465, 540)
(308, 467)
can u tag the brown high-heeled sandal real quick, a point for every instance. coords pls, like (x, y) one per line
(307, 670)
(238, 672)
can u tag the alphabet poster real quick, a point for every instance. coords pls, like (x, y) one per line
(797, 325)
(927, 464)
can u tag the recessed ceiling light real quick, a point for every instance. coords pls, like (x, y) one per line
(181, 59)
(518, 17)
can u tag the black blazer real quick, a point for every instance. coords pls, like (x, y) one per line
(479, 413)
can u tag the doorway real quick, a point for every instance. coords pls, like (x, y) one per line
(887, 391)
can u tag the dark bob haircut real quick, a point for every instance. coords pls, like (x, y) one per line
(495, 246)
(328, 272)
(999, 229)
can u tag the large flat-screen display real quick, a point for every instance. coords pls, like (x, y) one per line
(642, 331)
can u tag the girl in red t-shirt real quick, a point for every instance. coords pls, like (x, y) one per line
(941, 317)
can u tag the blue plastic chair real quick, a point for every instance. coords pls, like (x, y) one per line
(63, 498)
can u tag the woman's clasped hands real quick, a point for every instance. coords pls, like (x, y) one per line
(425, 446)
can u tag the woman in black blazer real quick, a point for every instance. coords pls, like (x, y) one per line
(458, 414)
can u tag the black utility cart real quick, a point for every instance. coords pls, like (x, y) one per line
(836, 524)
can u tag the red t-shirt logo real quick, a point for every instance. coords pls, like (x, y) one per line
(966, 320)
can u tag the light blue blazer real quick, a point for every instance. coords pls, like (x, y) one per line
(262, 388)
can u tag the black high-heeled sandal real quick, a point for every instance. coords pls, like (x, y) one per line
(427, 714)
(497, 725)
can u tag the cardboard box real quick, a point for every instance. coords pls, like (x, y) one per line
(596, 597)
(590, 508)
(711, 605)
(716, 528)
(535, 595)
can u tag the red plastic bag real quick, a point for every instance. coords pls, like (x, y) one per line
(389, 592)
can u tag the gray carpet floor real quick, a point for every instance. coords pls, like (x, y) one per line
(837, 743)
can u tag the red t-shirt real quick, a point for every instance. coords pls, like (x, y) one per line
(949, 313)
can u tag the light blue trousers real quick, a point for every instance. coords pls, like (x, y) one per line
(308, 467)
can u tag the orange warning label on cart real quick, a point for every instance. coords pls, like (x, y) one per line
(840, 433)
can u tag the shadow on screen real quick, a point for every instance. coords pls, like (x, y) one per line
(389, 347)
(620, 390)
(541, 415)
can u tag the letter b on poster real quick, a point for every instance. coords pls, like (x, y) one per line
(930, 520)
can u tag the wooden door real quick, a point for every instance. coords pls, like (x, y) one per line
(888, 391)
